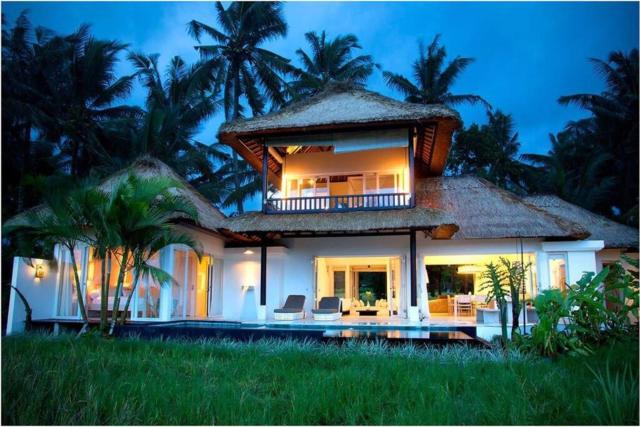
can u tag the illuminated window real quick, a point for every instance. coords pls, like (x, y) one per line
(558, 271)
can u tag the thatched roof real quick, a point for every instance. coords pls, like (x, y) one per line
(351, 222)
(209, 217)
(615, 235)
(484, 211)
(343, 107)
(340, 104)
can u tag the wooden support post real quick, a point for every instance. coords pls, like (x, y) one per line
(265, 176)
(263, 274)
(412, 172)
(413, 269)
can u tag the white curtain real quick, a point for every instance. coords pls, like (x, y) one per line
(348, 142)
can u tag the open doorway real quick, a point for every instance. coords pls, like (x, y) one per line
(366, 286)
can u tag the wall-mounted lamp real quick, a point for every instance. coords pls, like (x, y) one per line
(39, 274)
(248, 252)
(248, 287)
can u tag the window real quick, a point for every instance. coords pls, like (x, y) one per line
(387, 184)
(307, 188)
(67, 295)
(293, 188)
(148, 293)
(339, 282)
(558, 271)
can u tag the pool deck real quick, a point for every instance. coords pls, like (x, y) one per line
(438, 330)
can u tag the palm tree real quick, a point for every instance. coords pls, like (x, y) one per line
(573, 169)
(82, 88)
(141, 212)
(615, 123)
(432, 82)
(25, 157)
(154, 240)
(245, 68)
(61, 221)
(175, 109)
(329, 60)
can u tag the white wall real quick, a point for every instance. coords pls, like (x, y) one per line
(212, 244)
(580, 255)
(241, 281)
(290, 269)
(40, 293)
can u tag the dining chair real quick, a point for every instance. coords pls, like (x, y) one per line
(464, 304)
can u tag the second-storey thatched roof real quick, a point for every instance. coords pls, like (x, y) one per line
(484, 211)
(345, 222)
(340, 104)
(345, 108)
(615, 235)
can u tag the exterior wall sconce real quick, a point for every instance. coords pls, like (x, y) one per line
(248, 252)
(247, 287)
(39, 274)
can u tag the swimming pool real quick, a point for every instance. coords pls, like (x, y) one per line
(438, 335)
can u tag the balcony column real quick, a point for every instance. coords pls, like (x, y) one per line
(413, 311)
(412, 172)
(262, 308)
(265, 176)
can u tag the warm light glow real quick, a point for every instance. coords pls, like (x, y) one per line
(248, 252)
(39, 274)
(469, 269)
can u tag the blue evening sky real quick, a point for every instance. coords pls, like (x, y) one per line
(527, 54)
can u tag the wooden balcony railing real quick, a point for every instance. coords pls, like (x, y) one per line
(355, 202)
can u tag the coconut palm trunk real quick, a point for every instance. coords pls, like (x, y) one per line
(137, 265)
(104, 290)
(80, 297)
(116, 299)
(236, 114)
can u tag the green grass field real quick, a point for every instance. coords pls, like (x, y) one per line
(62, 380)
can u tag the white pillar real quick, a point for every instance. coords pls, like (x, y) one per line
(262, 312)
(423, 301)
(166, 263)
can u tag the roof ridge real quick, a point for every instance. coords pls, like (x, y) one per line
(337, 88)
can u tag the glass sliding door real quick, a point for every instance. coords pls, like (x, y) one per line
(147, 298)
(67, 296)
(189, 291)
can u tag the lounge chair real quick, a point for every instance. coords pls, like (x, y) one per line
(293, 309)
(328, 309)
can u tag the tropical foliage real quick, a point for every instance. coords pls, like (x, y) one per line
(329, 61)
(131, 223)
(496, 290)
(433, 79)
(490, 151)
(588, 160)
(614, 126)
(245, 71)
(596, 309)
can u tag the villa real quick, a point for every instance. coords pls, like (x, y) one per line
(354, 206)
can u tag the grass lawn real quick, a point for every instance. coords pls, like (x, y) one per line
(62, 380)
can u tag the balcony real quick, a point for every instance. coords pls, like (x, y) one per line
(338, 203)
